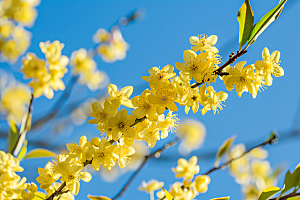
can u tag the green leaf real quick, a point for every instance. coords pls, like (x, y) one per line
(23, 150)
(265, 21)
(13, 135)
(167, 194)
(221, 198)
(224, 149)
(291, 180)
(268, 192)
(294, 198)
(40, 153)
(98, 198)
(245, 18)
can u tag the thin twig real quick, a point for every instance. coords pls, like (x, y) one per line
(24, 130)
(269, 141)
(162, 149)
(286, 196)
(58, 191)
(57, 106)
(232, 59)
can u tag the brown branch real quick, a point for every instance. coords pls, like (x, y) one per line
(58, 191)
(162, 149)
(286, 196)
(269, 141)
(57, 106)
(138, 121)
(232, 59)
(24, 130)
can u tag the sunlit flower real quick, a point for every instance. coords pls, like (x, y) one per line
(14, 100)
(269, 65)
(204, 44)
(151, 186)
(186, 169)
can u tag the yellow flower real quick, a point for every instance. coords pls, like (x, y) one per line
(204, 44)
(31, 190)
(52, 51)
(119, 97)
(193, 135)
(260, 168)
(169, 124)
(144, 107)
(214, 100)
(8, 166)
(80, 151)
(151, 133)
(101, 114)
(163, 97)
(179, 193)
(198, 67)
(202, 183)
(48, 175)
(85, 66)
(123, 152)
(121, 125)
(190, 97)
(116, 48)
(103, 155)
(241, 79)
(81, 62)
(12, 48)
(6, 27)
(64, 196)
(71, 175)
(159, 75)
(269, 65)
(42, 86)
(185, 169)
(14, 100)
(151, 186)
(33, 67)
(101, 35)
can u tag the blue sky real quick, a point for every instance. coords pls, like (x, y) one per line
(160, 39)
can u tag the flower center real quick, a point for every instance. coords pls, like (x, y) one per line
(147, 106)
(121, 125)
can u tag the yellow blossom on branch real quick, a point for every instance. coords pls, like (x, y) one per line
(186, 169)
(204, 44)
(163, 97)
(269, 65)
(121, 125)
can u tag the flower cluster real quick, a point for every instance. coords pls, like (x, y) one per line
(189, 188)
(252, 171)
(14, 100)
(15, 14)
(253, 78)
(11, 184)
(84, 65)
(112, 45)
(46, 74)
(67, 167)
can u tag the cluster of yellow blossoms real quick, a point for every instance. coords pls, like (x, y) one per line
(12, 186)
(188, 189)
(251, 171)
(14, 15)
(15, 108)
(46, 74)
(112, 46)
(84, 66)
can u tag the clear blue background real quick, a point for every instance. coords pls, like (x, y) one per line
(160, 39)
